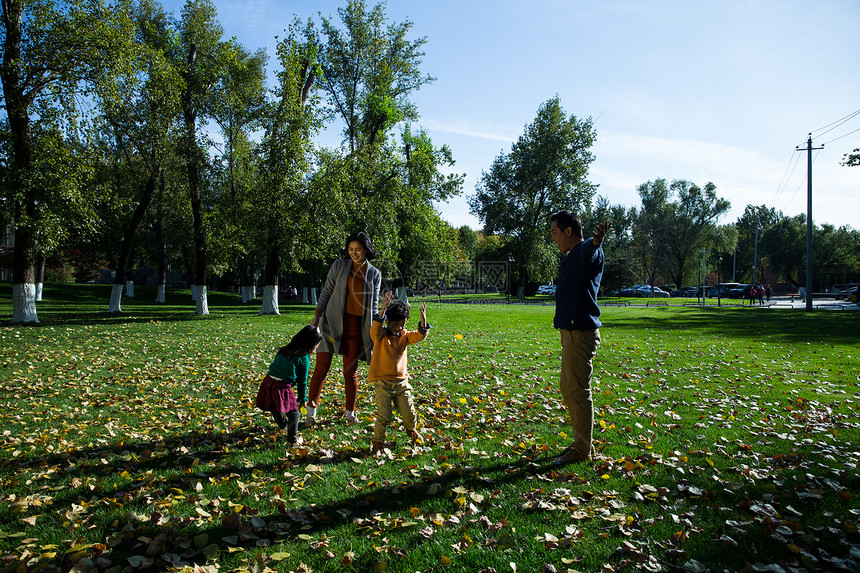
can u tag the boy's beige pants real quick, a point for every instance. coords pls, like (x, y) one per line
(388, 393)
(578, 348)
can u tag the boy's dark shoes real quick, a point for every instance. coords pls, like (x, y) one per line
(309, 422)
(416, 438)
(377, 449)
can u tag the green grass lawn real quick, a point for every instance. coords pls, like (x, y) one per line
(730, 440)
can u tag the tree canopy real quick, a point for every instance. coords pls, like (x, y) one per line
(545, 171)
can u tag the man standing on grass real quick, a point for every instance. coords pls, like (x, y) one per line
(577, 318)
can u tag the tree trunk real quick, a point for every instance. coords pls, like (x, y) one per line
(270, 284)
(193, 162)
(200, 249)
(202, 307)
(23, 268)
(20, 165)
(39, 275)
(161, 281)
(115, 298)
(243, 280)
(521, 290)
(129, 237)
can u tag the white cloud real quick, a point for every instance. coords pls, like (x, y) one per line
(470, 129)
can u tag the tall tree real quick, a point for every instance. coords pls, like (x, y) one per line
(674, 221)
(693, 223)
(50, 50)
(650, 227)
(238, 109)
(747, 254)
(290, 122)
(621, 267)
(784, 245)
(202, 66)
(836, 253)
(141, 108)
(371, 69)
(545, 171)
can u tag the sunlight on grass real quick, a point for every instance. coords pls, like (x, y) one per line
(131, 443)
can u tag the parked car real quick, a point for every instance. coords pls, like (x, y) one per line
(546, 289)
(644, 291)
(688, 292)
(846, 293)
(652, 292)
(737, 292)
(723, 289)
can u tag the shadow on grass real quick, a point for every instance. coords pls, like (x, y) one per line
(796, 326)
(171, 540)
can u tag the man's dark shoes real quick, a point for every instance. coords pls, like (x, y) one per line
(571, 456)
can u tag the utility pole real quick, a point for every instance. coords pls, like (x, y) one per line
(808, 150)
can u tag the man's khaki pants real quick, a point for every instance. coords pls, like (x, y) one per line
(396, 393)
(578, 348)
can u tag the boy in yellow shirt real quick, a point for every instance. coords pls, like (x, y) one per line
(388, 367)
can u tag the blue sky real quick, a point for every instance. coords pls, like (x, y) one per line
(704, 91)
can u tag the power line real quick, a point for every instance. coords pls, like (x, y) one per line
(802, 181)
(839, 121)
(841, 136)
(792, 164)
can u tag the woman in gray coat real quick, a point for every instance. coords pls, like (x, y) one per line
(345, 309)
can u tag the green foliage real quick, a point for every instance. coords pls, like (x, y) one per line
(621, 268)
(280, 202)
(370, 70)
(546, 171)
(377, 184)
(53, 53)
(784, 245)
(468, 241)
(760, 217)
(673, 223)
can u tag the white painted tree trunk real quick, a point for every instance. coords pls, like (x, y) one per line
(24, 304)
(39, 292)
(248, 293)
(270, 301)
(304, 294)
(202, 303)
(129, 289)
(160, 296)
(313, 295)
(115, 299)
(193, 292)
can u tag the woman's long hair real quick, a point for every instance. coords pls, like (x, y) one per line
(303, 342)
(365, 241)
